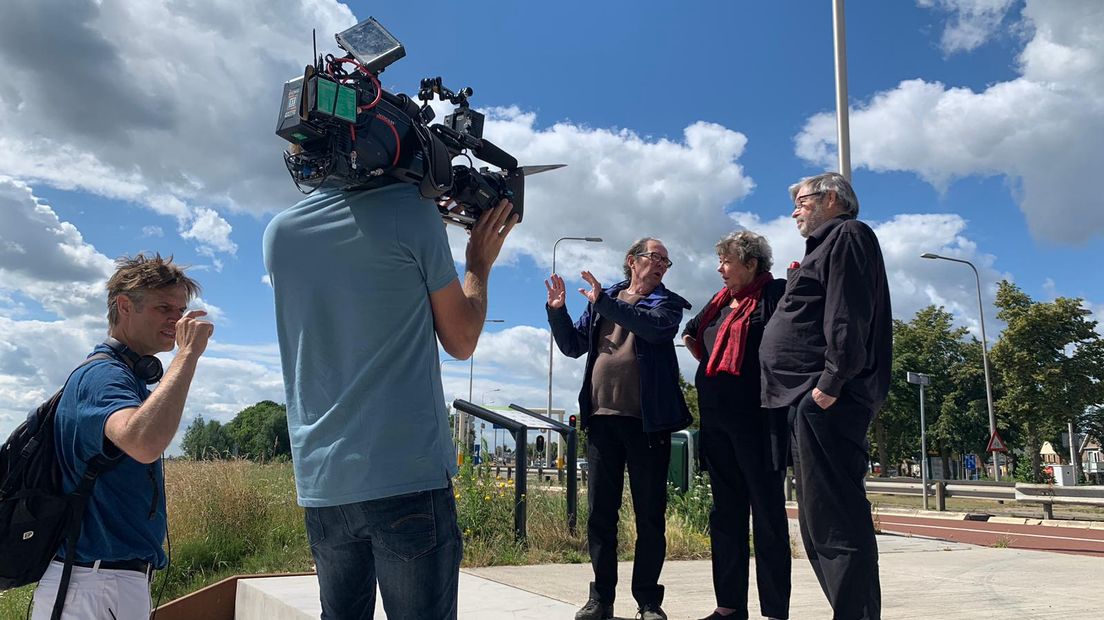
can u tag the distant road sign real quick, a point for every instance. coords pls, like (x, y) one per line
(996, 444)
(970, 461)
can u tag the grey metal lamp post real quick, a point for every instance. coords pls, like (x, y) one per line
(984, 354)
(483, 401)
(551, 340)
(465, 421)
(922, 380)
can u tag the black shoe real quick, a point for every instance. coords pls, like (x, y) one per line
(596, 610)
(651, 611)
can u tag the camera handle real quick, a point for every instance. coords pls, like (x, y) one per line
(431, 86)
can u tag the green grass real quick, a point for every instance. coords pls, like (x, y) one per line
(238, 517)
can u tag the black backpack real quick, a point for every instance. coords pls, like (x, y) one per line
(36, 515)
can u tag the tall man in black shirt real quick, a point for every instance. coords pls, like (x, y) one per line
(826, 355)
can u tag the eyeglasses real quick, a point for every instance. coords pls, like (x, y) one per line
(800, 200)
(656, 257)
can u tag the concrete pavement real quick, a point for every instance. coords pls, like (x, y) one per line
(921, 578)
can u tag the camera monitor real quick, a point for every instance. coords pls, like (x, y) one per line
(371, 45)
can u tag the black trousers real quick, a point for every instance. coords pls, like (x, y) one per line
(830, 456)
(613, 442)
(736, 447)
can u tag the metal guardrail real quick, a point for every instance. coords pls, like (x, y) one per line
(964, 489)
(1042, 494)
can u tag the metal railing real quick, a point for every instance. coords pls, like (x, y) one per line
(1045, 495)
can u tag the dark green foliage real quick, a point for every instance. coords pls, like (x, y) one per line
(204, 440)
(955, 405)
(690, 393)
(1051, 362)
(259, 432)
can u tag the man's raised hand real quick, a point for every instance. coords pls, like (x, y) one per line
(595, 287)
(192, 334)
(557, 293)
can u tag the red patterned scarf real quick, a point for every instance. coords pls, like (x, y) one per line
(728, 349)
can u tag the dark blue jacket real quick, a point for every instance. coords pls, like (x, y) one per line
(654, 320)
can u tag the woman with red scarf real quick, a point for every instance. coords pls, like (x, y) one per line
(743, 445)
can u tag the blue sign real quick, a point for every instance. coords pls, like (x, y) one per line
(970, 461)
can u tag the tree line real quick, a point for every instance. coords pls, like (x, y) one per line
(1046, 370)
(258, 432)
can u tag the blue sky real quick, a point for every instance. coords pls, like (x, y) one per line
(149, 126)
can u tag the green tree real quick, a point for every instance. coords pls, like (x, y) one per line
(1092, 422)
(205, 439)
(260, 432)
(929, 344)
(1051, 361)
(963, 424)
(690, 393)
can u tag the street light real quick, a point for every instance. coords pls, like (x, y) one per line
(984, 355)
(483, 401)
(551, 340)
(465, 421)
(922, 380)
(456, 412)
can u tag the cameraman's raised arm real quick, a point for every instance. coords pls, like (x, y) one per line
(459, 312)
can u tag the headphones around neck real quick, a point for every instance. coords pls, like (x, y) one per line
(146, 367)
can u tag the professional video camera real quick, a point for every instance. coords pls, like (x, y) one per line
(347, 132)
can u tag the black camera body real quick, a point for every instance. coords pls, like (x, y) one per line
(347, 132)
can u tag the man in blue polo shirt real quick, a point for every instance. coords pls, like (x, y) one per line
(107, 409)
(365, 286)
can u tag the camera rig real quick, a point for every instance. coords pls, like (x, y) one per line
(347, 132)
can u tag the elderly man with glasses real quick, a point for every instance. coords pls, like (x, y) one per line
(630, 403)
(826, 354)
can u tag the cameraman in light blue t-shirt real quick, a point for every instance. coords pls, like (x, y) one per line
(364, 287)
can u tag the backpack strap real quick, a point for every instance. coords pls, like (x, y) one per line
(78, 500)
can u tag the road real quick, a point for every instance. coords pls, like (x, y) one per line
(1067, 538)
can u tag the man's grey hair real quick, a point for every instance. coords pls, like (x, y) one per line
(637, 247)
(744, 245)
(830, 182)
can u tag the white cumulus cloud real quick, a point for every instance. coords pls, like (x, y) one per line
(1041, 131)
(973, 22)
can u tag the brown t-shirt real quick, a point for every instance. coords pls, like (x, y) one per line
(615, 379)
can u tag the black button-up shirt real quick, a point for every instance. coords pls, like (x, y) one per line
(833, 327)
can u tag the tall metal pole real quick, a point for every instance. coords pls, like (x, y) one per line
(923, 449)
(922, 380)
(843, 131)
(1073, 452)
(466, 420)
(458, 418)
(551, 340)
(465, 424)
(984, 355)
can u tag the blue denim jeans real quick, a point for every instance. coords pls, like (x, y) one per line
(410, 544)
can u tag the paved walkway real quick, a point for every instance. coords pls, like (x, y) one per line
(921, 578)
